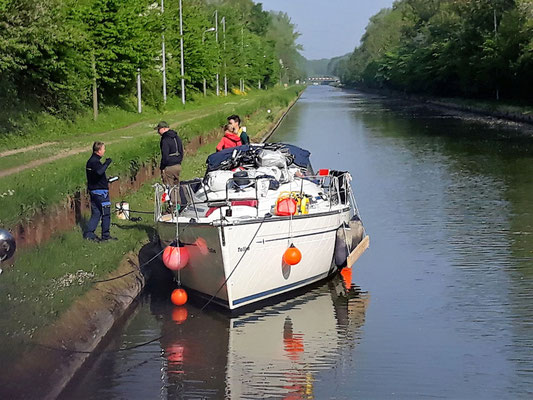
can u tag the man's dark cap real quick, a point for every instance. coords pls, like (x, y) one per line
(161, 124)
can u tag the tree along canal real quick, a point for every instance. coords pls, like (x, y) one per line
(442, 302)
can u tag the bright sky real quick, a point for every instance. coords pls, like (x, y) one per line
(329, 28)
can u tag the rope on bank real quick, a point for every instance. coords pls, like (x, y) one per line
(65, 350)
(131, 272)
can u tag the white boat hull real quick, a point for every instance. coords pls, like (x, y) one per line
(243, 262)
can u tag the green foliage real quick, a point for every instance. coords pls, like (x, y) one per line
(119, 34)
(473, 48)
(283, 34)
(51, 52)
(39, 66)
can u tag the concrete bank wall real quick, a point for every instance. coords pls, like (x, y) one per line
(59, 351)
(508, 115)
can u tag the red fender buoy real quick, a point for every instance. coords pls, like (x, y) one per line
(175, 258)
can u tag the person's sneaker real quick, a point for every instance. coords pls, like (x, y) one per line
(108, 238)
(92, 238)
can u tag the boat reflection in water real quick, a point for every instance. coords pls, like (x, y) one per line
(278, 351)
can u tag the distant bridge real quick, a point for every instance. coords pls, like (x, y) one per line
(323, 80)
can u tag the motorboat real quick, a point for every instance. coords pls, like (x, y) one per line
(259, 223)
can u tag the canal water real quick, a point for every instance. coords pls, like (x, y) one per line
(440, 306)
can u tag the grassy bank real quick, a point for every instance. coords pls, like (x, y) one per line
(46, 128)
(46, 280)
(31, 191)
(80, 138)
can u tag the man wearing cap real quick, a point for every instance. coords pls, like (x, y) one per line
(171, 157)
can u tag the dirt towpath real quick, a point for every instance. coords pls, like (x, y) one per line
(71, 152)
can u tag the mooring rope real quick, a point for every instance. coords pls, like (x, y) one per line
(131, 272)
(122, 210)
(146, 343)
(236, 265)
(106, 351)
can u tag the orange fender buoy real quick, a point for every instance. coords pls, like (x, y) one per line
(292, 255)
(178, 297)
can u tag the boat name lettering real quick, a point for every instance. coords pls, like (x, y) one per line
(243, 249)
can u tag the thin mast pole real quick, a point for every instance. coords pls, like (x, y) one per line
(216, 36)
(164, 58)
(182, 58)
(139, 103)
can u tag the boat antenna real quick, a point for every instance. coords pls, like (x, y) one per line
(289, 242)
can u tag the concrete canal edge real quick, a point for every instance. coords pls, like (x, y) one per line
(61, 349)
(277, 123)
(505, 115)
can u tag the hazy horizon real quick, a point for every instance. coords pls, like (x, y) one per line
(334, 38)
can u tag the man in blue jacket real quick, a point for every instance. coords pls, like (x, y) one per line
(98, 188)
(171, 158)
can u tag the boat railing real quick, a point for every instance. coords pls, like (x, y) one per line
(194, 193)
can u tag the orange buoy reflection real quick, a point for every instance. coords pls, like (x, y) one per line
(179, 315)
(201, 244)
(346, 274)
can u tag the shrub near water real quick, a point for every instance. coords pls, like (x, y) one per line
(31, 191)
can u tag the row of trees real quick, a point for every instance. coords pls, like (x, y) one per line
(474, 48)
(52, 52)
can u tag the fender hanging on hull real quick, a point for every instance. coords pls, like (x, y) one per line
(348, 236)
